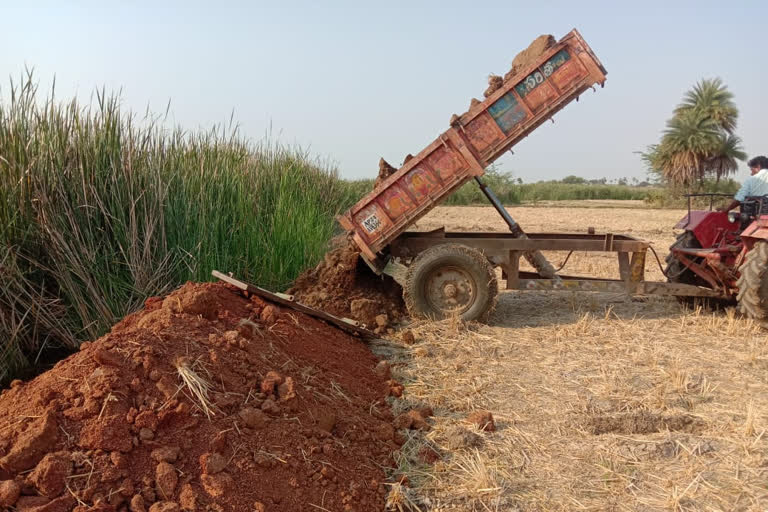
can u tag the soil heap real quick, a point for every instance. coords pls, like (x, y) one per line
(205, 400)
(343, 285)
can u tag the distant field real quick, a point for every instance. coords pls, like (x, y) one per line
(511, 193)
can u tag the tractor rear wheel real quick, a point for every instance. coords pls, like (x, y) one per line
(450, 279)
(676, 272)
(753, 282)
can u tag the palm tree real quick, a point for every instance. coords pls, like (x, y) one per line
(699, 141)
(712, 98)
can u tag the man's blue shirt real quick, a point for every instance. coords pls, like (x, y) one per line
(756, 185)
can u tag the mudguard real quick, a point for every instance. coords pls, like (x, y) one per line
(758, 230)
(708, 226)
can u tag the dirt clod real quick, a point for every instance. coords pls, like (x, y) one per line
(212, 463)
(495, 82)
(253, 418)
(412, 420)
(166, 454)
(270, 382)
(164, 506)
(9, 493)
(385, 171)
(166, 479)
(408, 337)
(50, 475)
(216, 485)
(32, 444)
(188, 497)
(457, 438)
(483, 420)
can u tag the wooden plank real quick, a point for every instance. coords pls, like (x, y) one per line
(624, 266)
(345, 324)
(513, 269)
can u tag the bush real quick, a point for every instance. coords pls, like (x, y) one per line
(100, 210)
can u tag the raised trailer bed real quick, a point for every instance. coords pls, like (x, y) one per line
(475, 140)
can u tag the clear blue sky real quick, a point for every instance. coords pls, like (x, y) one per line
(353, 82)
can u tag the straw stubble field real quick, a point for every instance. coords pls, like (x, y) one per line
(601, 402)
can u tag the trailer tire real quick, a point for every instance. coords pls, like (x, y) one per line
(753, 282)
(450, 279)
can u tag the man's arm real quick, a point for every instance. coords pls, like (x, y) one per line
(733, 204)
(742, 194)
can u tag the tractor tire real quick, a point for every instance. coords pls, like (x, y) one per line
(676, 272)
(450, 279)
(753, 283)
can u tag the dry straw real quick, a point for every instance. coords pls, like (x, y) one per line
(602, 402)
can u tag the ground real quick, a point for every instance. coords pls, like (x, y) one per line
(601, 402)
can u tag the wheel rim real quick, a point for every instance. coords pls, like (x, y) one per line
(450, 290)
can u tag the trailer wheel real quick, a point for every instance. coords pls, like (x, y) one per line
(753, 282)
(450, 279)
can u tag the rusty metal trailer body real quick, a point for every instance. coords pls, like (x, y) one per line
(475, 140)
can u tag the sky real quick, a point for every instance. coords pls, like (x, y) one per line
(354, 81)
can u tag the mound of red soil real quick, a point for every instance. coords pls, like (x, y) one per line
(204, 400)
(343, 285)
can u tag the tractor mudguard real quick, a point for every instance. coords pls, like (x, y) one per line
(708, 226)
(758, 230)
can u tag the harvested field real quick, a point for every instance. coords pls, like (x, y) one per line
(204, 400)
(599, 401)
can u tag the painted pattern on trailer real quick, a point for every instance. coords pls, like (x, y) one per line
(481, 133)
(421, 182)
(396, 201)
(446, 162)
(507, 112)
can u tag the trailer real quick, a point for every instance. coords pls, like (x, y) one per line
(454, 273)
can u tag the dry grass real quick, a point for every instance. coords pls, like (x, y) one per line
(197, 385)
(601, 402)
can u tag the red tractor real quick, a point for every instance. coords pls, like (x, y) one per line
(727, 252)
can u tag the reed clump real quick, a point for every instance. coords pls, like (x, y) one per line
(101, 209)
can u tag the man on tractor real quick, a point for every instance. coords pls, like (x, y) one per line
(755, 185)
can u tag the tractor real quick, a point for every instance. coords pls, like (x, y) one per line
(727, 252)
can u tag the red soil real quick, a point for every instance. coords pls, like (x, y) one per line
(343, 285)
(298, 416)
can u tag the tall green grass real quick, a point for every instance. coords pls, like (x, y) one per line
(100, 209)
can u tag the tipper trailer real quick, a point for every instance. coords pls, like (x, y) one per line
(453, 273)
